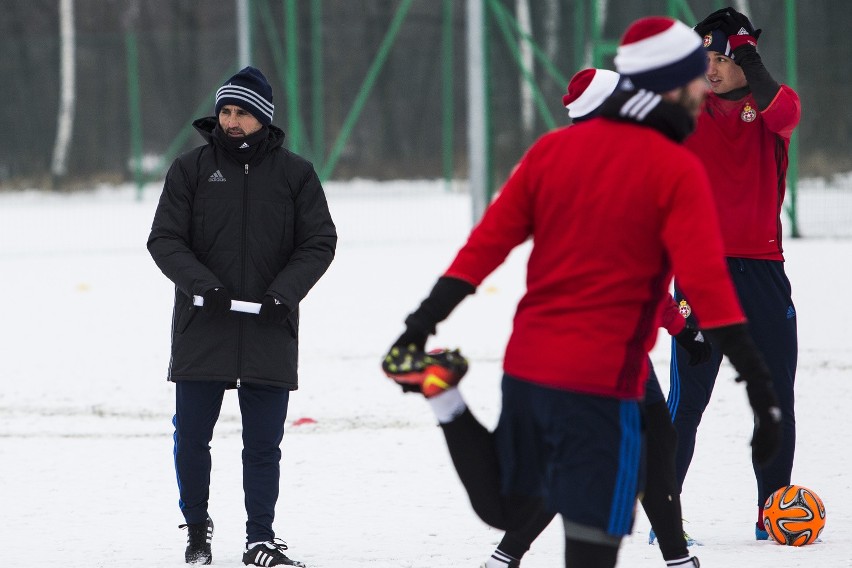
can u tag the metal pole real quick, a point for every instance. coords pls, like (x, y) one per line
(317, 110)
(292, 79)
(501, 14)
(580, 59)
(65, 119)
(523, 18)
(476, 105)
(793, 152)
(447, 124)
(243, 34)
(364, 91)
(135, 109)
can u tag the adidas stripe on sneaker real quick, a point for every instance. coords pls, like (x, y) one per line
(500, 559)
(269, 553)
(199, 537)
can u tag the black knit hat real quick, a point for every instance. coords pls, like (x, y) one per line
(248, 90)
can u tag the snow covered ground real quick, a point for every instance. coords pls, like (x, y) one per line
(86, 474)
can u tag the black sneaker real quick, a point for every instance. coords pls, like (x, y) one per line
(198, 539)
(269, 553)
(689, 562)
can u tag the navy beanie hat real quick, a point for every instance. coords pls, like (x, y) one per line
(717, 40)
(248, 90)
(659, 54)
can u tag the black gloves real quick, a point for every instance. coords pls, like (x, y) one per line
(408, 351)
(767, 419)
(733, 24)
(736, 343)
(273, 311)
(711, 22)
(693, 341)
(217, 301)
(447, 293)
(739, 29)
(412, 338)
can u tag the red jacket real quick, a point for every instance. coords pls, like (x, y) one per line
(613, 208)
(745, 153)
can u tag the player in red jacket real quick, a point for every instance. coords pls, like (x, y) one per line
(587, 91)
(615, 207)
(742, 138)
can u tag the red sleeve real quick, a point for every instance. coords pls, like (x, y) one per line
(506, 223)
(693, 240)
(783, 113)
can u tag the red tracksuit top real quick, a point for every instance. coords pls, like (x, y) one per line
(745, 153)
(613, 209)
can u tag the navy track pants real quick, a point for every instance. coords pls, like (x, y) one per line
(263, 410)
(765, 294)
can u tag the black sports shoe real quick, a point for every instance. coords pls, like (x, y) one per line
(198, 539)
(269, 553)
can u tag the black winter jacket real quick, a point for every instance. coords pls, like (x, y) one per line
(257, 228)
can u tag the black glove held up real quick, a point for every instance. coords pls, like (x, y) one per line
(695, 344)
(217, 301)
(734, 24)
(711, 22)
(273, 311)
(729, 22)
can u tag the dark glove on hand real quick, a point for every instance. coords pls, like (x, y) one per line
(767, 419)
(737, 345)
(739, 29)
(711, 22)
(695, 344)
(273, 311)
(447, 293)
(411, 343)
(217, 301)
(412, 337)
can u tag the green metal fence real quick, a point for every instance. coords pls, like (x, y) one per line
(373, 88)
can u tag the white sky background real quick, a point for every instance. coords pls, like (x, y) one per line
(86, 472)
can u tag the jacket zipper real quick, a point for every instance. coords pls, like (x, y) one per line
(242, 274)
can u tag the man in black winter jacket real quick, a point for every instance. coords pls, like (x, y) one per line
(240, 218)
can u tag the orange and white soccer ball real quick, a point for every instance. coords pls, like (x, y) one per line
(794, 515)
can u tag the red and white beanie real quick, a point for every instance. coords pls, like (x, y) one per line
(587, 91)
(660, 54)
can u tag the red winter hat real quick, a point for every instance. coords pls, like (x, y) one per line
(587, 91)
(660, 54)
